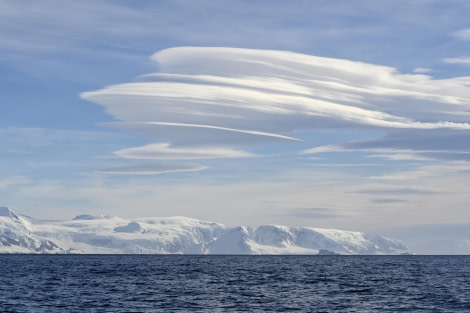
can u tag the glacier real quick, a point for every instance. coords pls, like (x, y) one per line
(88, 234)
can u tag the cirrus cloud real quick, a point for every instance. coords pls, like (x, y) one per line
(152, 169)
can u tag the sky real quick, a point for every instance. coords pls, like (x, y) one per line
(348, 115)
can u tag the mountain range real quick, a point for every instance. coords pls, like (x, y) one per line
(88, 234)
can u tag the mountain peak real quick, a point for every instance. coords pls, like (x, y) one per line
(89, 217)
(4, 211)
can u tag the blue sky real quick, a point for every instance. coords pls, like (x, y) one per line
(350, 115)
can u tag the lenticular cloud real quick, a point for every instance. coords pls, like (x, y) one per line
(226, 99)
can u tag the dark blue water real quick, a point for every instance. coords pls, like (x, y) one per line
(156, 283)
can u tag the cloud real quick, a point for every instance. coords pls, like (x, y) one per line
(460, 60)
(438, 144)
(422, 70)
(424, 172)
(463, 34)
(399, 191)
(241, 88)
(165, 151)
(152, 169)
(399, 155)
(432, 193)
(208, 102)
(196, 134)
(90, 31)
(15, 180)
(312, 213)
(387, 201)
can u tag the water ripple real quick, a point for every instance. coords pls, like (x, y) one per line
(158, 283)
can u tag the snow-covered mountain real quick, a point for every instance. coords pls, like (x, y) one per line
(178, 235)
(16, 237)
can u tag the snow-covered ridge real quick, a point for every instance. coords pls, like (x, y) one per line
(178, 235)
(16, 236)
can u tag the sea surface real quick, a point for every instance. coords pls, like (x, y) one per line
(190, 283)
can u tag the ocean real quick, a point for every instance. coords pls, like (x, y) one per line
(211, 283)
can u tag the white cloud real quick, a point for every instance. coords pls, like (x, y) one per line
(197, 134)
(152, 169)
(421, 173)
(422, 70)
(383, 153)
(254, 89)
(165, 151)
(459, 60)
(206, 102)
(463, 34)
(400, 156)
(433, 144)
(323, 149)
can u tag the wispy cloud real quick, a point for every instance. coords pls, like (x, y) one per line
(387, 201)
(15, 180)
(192, 134)
(459, 60)
(422, 70)
(312, 213)
(152, 169)
(337, 198)
(165, 151)
(438, 144)
(463, 34)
